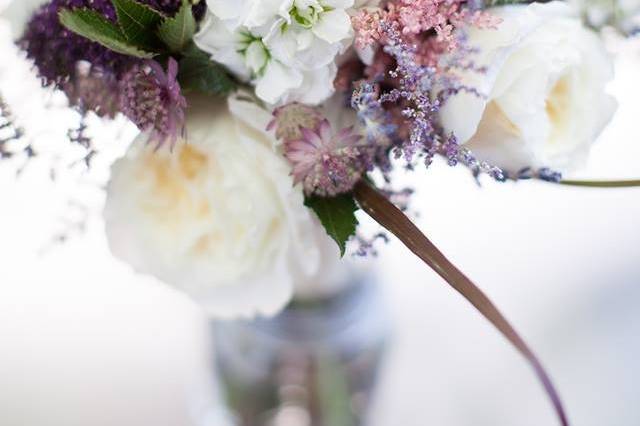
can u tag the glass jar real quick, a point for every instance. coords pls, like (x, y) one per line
(315, 364)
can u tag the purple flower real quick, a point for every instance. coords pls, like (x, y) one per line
(325, 163)
(56, 51)
(151, 98)
(92, 90)
(289, 120)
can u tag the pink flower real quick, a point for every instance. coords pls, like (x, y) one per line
(325, 163)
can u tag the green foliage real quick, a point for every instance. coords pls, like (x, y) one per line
(200, 74)
(93, 26)
(141, 32)
(177, 32)
(337, 215)
(138, 22)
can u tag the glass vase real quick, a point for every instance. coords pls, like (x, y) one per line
(315, 364)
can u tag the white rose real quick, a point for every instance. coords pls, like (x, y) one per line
(218, 217)
(545, 86)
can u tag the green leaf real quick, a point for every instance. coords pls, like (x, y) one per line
(177, 32)
(138, 22)
(93, 26)
(337, 215)
(199, 73)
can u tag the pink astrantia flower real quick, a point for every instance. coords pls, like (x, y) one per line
(289, 120)
(326, 163)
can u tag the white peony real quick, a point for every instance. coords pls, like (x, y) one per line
(286, 48)
(218, 217)
(545, 86)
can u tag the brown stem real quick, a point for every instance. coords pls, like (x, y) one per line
(395, 221)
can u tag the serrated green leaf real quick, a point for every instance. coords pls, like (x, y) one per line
(93, 26)
(199, 73)
(337, 215)
(138, 22)
(176, 32)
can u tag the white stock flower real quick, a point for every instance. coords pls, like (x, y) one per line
(218, 217)
(286, 48)
(545, 86)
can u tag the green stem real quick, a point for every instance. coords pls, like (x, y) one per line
(602, 183)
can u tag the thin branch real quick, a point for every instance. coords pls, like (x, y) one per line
(393, 219)
(602, 183)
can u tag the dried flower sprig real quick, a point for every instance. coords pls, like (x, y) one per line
(11, 136)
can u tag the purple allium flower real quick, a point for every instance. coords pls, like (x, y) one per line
(325, 163)
(55, 50)
(151, 98)
(92, 90)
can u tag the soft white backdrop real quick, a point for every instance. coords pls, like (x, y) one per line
(85, 341)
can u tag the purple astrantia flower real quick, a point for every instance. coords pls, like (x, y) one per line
(325, 163)
(151, 98)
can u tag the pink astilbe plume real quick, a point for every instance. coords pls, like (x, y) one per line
(414, 17)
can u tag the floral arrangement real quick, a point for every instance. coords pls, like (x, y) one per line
(262, 120)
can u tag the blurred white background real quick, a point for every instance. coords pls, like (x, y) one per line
(84, 341)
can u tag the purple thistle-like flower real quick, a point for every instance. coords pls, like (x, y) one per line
(152, 99)
(326, 164)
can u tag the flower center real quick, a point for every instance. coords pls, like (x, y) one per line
(558, 107)
(256, 55)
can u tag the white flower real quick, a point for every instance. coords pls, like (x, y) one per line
(218, 217)
(286, 48)
(620, 13)
(18, 13)
(545, 87)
